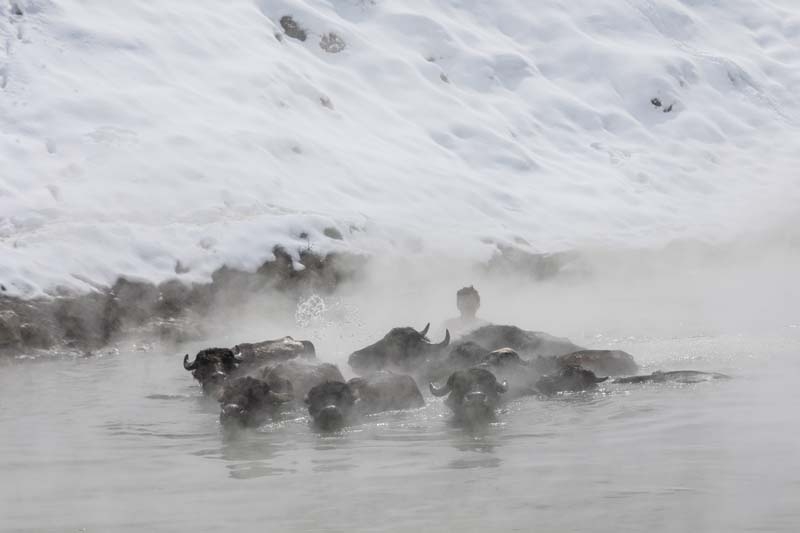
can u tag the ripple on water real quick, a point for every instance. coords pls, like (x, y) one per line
(134, 426)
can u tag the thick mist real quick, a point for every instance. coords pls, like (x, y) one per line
(597, 298)
(125, 440)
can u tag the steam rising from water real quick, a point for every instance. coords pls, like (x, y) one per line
(126, 441)
(599, 298)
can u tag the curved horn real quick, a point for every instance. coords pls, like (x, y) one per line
(600, 380)
(446, 340)
(502, 387)
(187, 365)
(279, 397)
(425, 329)
(439, 391)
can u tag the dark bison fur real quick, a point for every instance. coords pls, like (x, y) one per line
(248, 402)
(569, 379)
(273, 351)
(330, 405)
(527, 343)
(302, 374)
(602, 362)
(677, 376)
(472, 394)
(211, 367)
(404, 349)
(385, 391)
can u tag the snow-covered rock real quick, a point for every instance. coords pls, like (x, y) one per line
(163, 140)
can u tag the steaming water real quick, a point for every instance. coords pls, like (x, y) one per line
(126, 442)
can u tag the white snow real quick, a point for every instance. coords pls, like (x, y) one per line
(134, 135)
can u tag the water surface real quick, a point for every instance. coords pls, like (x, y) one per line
(126, 442)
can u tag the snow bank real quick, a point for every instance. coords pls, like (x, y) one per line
(164, 139)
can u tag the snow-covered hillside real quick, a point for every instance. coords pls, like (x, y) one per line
(136, 136)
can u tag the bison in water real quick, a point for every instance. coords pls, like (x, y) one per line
(211, 367)
(335, 404)
(330, 404)
(273, 351)
(678, 376)
(385, 391)
(248, 402)
(298, 376)
(569, 379)
(545, 353)
(508, 366)
(472, 394)
(403, 349)
(527, 343)
(462, 355)
(522, 375)
(604, 362)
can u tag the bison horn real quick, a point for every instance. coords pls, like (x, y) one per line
(187, 365)
(600, 380)
(502, 387)
(446, 340)
(425, 329)
(439, 391)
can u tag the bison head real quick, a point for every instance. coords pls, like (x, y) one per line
(402, 348)
(474, 393)
(330, 404)
(211, 366)
(248, 402)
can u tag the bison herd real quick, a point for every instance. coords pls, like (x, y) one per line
(256, 382)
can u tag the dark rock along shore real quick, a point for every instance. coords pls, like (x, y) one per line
(92, 320)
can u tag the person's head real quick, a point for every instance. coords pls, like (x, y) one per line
(468, 301)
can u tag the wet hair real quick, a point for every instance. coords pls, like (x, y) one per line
(468, 291)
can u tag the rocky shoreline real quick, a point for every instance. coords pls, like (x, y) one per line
(167, 311)
(172, 311)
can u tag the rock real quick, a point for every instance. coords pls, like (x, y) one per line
(10, 334)
(174, 297)
(133, 302)
(333, 233)
(84, 321)
(292, 28)
(37, 336)
(179, 330)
